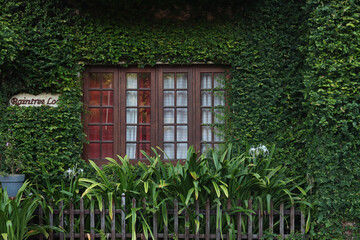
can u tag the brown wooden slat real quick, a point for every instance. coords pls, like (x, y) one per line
(123, 223)
(82, 219)
(239, 234)
(176, 218)
(261, 219)
(155, 230)
(102, 217)
(113, 233)
(92, 224)
(166, 230)
(187, 224)
(302, 223)
(282, 220)
(250, 222)
(292, 219)
(51, 223)
(71, 218)
(207, 218)
(61, 219)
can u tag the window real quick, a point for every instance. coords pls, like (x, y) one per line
(132, 109)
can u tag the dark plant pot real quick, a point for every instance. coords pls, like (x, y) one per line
(12, 183)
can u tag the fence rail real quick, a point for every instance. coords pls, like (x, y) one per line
(282, 222)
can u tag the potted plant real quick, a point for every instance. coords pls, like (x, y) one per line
(11, 166)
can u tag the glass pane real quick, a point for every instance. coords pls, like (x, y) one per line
(107, 115)
(206, 133)
(144, 80)
(206, 116)
(181, 98)
(181, 115)
(168, 80)
(107, 150)
(181, 150)
(94, 115)
(169, 133)
(94, 133)
(168, 98)
(108, 80)
(169, 150)
(218, 80)
(131, 99)
(206, 81)
(131, 150)
(219, 99)
(181, 133)
(131, 80)
(206, 99)
(131, 115)
(107, 98)
(181, 80)
(169, 115)
(94, 151)
(94, 98)
(94, 80)
(146, 148)
(144, 115)
(144, 98)
(144, 133)
(107, 133)
(131, 133)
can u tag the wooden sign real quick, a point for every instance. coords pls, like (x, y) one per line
(29, 100)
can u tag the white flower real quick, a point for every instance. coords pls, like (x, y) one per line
(252, 151)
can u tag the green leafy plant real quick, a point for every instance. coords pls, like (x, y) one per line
(15, 216)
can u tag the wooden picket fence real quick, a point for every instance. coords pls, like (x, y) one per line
(282, 222)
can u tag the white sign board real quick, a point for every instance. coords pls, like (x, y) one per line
(27, 100)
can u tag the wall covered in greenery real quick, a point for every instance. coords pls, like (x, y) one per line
(294, 67)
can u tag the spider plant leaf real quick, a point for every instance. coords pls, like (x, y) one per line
(196, 186)
(225, 190)
(110, 197)
(164, 213)
(191, 190)
(194, 175)
(216, 187)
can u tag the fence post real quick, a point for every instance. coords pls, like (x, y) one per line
(61, 205)
(261, 219)
(239, 231)
(282, 220)
(176, 219)
(123, 229)
(113, 235)
(207, 231)
(82, 219)
(250, 233)
(71, 220)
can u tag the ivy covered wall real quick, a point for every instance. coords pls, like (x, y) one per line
(294, 67)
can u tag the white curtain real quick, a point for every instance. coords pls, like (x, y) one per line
(206, 81)
(181, 80)
(131, 150)
(168, 98)
(131, 98)
(131, 115)
(169, 150)
(169, 133)
(206, 116)
(169, 81)
(169, 115)
(181, 98)
(181, 115)
(181, 150)
(206, 134)
(131, 80)
(182, 133)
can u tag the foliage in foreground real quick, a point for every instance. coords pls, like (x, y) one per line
(16, 214)
(217, 176)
